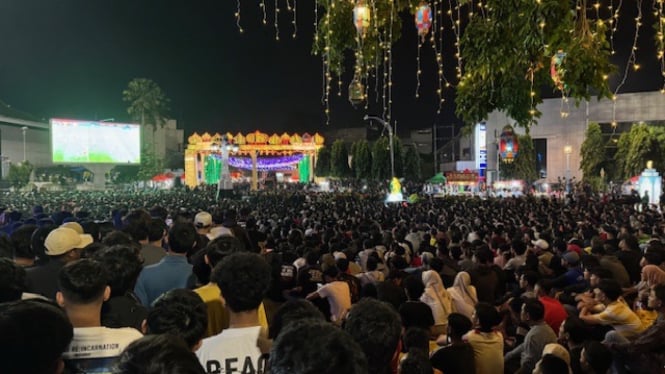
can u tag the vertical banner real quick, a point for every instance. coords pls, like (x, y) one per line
(481, 148)
(304, 169)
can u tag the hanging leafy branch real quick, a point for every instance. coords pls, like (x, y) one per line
(507, 55)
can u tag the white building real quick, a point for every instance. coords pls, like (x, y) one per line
(563, 126)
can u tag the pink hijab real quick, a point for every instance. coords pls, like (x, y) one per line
(653, 275)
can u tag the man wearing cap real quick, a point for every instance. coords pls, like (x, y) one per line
(63, 246)
(573, 275)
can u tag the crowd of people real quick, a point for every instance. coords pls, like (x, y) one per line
(295, 281)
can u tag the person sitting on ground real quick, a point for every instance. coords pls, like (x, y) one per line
(30, 347)
(616, 314)
(21, 240)
(487, 343)
(457, 356)
(595, 358)
(292, 311)
(572, 334)
(83, 289)
(337, 292)
(243, 279)
(540, 334)
(181, 313)
(313, 346)
(414, 312)
(376, 327)
(158, 354)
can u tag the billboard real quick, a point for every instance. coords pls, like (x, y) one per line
(93, 142)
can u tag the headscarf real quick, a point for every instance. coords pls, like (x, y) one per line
(436, 297)
(463, 294)
(653, 275)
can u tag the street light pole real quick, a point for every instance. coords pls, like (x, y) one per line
(24, 129)
(390, 138)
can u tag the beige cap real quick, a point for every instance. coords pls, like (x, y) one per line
(74, 226)
(63, 240)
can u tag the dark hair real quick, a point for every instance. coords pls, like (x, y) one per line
(342, 264)
(331, 271)
(179, 312)
(21, 241)
(182, 237)
(119, 238)
(376, 327)
(551, 364)
(221, 247)
(610, 288)
(416, 337)
(158, 354)
(416, 362)
(156, 229)
(659, 290)
(577, 330)
(653, 257)
(92, 228)
(82, 281)
(487, 315)
(35, 333)
(598, 356)
(244, 279)
(372, 263)
(531, 277)
(518, 246)
(37, 243)
(312, 346)
(293, 311)
(535, 309)
(601, 272)
(135, 223)
(484, 256)
(123, 266)
(413, 286)
(12, 280)
(459, 324)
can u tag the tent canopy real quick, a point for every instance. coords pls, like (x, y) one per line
(438, 178)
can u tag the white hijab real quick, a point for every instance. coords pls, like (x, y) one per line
(463, 294)
(436, 297)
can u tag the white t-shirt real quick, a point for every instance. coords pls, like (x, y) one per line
(339, 298)
(234, 350)
(95, 349)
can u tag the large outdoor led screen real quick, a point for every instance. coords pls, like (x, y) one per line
(76, 141)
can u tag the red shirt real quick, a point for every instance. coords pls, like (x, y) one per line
(555, 313)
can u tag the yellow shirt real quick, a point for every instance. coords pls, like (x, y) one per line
(218, 316)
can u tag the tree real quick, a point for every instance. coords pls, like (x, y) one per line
(150, 165)
(322, 167)
(592, 152)
(636, 147)
(147, 103)
(339, 159)
(412, 170)
(362, 160)
(381, 159)
(121, 174)
(19, 174)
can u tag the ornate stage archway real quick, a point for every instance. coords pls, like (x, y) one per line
(255, 151)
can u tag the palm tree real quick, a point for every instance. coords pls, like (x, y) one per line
(147, 103)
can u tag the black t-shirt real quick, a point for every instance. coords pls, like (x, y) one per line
(454, 359)
(308, 278)
(416, 313)
(394, 295)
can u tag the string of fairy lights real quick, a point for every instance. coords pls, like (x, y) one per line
(440, 23)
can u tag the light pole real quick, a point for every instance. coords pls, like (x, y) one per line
(567, 150)
(224, 174)
(24, 129)
(390, 138)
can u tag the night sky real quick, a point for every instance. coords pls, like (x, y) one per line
(73, 58)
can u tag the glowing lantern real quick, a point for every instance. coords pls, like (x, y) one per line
(423, 19)
(361, 17)
(508, 145)
(556, 70)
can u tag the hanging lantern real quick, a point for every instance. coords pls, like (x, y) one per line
(356, 92)
(423, 19)
(556, 70)
(508, 145)
(361, 17)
